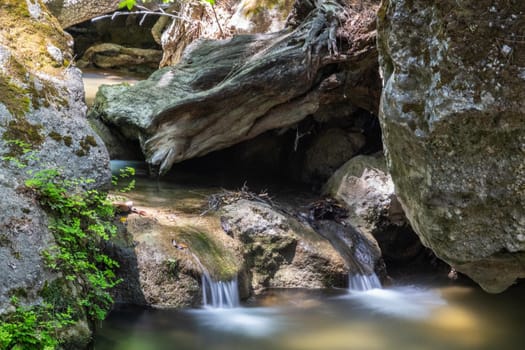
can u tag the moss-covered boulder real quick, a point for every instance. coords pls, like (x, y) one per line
(42, 126)
(453, 119)
(166, 245)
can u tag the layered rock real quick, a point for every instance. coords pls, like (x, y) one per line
(42, 126)
(453, 117)
(224, 92)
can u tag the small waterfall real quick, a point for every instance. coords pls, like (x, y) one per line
(219, 294)
(361, 282)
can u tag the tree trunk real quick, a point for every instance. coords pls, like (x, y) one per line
(225, 92)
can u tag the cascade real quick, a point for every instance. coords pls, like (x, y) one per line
(218, 294)
(362, 282)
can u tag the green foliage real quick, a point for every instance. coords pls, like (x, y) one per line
(132, 3)
(126, 174)
(81, 221)
(34, 328)
(129, 4)
(20, 154)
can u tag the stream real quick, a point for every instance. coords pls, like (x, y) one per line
(416, 313)
(403, 317)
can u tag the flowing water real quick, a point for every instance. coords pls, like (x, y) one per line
(413, 315)
(408, 318)
(359, 283)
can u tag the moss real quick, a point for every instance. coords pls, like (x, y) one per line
(85, 145)
(24, 131)
(16, 7)
(68, 140)
(212, 255)
(4, 241)
(55, 136)
(18, 292)
(14, 98)
(80, 152)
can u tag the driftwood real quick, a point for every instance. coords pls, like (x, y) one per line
(225, 92)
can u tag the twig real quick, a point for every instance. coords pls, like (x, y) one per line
(145, 13)
(217, 20)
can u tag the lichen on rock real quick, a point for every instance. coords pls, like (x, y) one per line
(453, 118)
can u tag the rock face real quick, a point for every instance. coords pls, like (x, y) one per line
(42, 126)
(453, 117)
(280, 251)
(225, 92)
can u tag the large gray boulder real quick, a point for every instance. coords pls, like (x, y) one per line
(42, 126)
(453, 119)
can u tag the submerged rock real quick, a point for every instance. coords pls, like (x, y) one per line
(453, 119)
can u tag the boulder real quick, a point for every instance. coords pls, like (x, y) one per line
(453, 120)
(113, 56)
(163, 249)
(365, 187)
(328, 151)
(279, 250)
(42, 126)
(70, 12)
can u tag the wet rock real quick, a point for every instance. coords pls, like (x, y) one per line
(453, 120)
(162, 259)
(279, 250)
(367, 190)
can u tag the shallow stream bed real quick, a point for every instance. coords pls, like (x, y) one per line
(403, 317)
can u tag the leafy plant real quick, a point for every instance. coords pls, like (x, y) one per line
(33, 328)
(81, 220)
(127, 174)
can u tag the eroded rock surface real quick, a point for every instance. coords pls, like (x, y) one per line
(453, 117)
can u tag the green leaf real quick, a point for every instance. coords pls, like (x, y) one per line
(127, 3)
